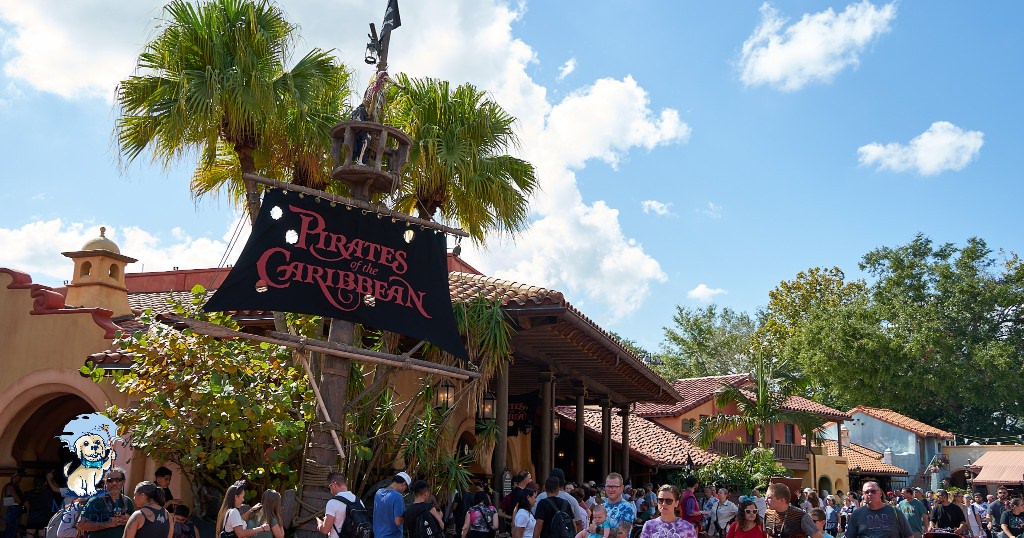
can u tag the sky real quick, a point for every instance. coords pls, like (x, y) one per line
(688, 153)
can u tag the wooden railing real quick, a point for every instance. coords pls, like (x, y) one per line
(783, 452)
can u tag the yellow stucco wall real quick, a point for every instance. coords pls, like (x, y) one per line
(41, 356)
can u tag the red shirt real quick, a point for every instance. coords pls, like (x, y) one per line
(754, 532)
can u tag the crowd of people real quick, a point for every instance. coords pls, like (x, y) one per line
(556, 509)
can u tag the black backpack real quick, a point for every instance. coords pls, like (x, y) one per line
(562, 524)
(357, 520)
(427, 526)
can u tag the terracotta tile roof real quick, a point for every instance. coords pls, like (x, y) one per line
(698, 390)
(650, 441)
(111, 359)
(799, 403)
(466, 286)
(869, 461)
(694, 390)
(902, 421)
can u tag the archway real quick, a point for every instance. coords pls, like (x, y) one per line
(958, 478)
(36, 446)
(35, 408)
(825, 484)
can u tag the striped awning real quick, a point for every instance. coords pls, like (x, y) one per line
(1001, 467)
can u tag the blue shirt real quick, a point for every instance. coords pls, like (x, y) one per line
(387, 505)
(619, 512)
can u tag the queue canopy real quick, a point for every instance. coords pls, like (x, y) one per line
(1003, 467)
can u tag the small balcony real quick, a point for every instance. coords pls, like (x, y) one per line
(790, 456)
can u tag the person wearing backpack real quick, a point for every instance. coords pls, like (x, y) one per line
(482, 518)
(554, 514)
(421, 518)
(345, 515)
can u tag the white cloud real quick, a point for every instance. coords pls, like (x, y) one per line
(712, 211)
(656, 207)
(35, 248)
(814, 49)
(942, 147)
(577, 247)
(703, 293)
(567, 68)
(75, 49)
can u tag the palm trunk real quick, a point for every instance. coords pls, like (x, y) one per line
(252, 206)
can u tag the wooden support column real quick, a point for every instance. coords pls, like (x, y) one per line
(624, 413)
(580, 431)
(501, 418)
(839, 436)
(546, 421)
(606, 439)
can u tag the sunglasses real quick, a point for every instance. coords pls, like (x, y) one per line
(113, 480)
(817, 520)
(665, 501)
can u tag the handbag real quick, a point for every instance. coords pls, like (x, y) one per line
(228, 534)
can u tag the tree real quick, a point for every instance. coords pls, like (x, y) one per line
(957, 314)
(458, 169)
(757, 407)
(706, 341)
(220, 409)
(792, 301)
(753, 470)
(213, 81)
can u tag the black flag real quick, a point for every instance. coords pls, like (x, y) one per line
(392, 19)
(309, 256)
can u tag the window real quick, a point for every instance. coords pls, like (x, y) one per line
(86, 269)
(686, 426)
(790, 434)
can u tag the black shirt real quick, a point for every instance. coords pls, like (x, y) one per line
(1014, 521)
(947, 517)
(412, 513)
(546, 509)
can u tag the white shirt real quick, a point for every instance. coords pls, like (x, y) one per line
(233, 519)
(524, 519)
(338, 509)
(724, 512)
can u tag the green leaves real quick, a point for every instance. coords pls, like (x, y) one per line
(742, 474)
(217, 408)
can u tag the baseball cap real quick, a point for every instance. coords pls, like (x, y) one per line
(403, 476)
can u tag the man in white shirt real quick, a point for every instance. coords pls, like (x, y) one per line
(334, 516)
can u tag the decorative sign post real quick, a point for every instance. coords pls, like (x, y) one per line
(348, 260)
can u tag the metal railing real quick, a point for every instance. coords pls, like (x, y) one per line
(783, 452)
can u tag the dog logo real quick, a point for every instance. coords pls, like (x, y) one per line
(91, 437)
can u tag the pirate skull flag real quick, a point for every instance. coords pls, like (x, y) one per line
(311, 256)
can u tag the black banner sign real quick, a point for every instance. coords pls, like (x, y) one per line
(308, 256)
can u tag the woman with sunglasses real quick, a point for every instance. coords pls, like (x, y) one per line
(748, 523)
(668, 524)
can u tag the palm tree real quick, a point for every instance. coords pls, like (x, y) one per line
(213, 81)
(459, 169)
(759, 406)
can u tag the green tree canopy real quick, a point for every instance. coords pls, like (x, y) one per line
(213, 81)
(459, 169)
(938, 336)
(706, 341)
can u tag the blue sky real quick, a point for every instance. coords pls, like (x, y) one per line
(688, 152)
